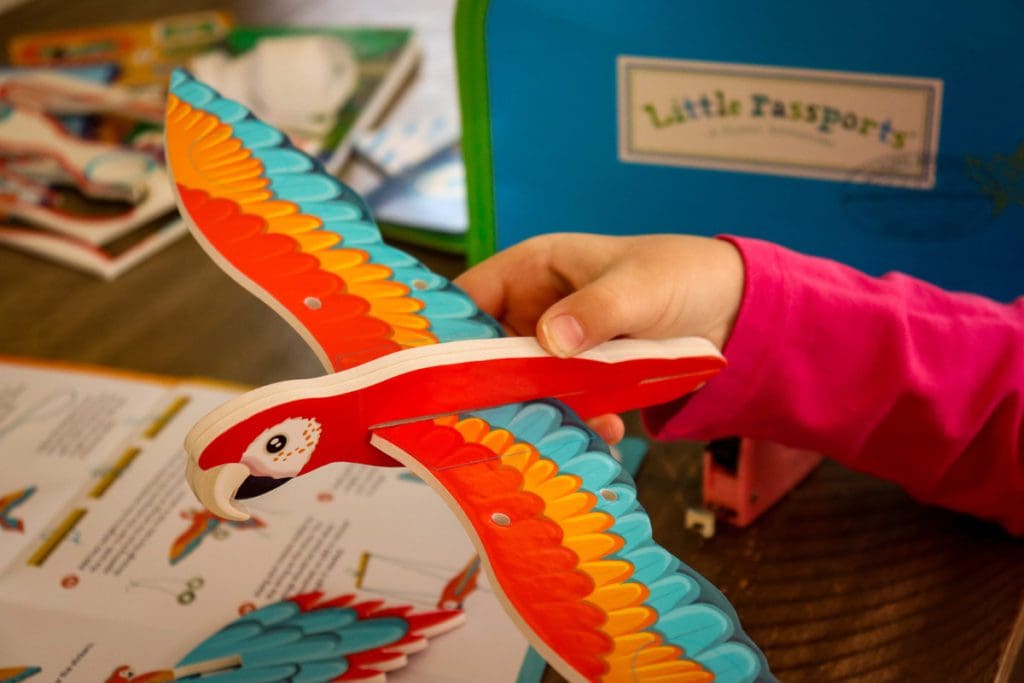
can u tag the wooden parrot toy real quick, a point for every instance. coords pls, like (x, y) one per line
(421, 378)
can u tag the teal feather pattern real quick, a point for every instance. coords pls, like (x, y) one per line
(308, 638)
(294, 177)
(692, 613)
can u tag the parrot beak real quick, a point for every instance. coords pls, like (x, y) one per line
(216, 488)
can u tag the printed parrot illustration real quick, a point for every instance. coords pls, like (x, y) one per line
(204, 523)
(308, 638)
(7, 504)
(16, 674)
(422, 378)
(460, 586)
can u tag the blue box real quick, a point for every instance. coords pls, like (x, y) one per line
(886, 135)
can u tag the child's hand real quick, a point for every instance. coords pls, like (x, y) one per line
(575, 291)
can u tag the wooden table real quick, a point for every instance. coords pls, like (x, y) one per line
(846, 580)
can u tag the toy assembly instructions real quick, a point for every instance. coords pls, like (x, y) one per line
(104, 549)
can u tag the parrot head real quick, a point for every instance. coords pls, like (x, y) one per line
(249, 457)
(221, 473)
(261, 440)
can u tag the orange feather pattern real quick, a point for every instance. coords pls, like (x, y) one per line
(579, 601)
(362, 312)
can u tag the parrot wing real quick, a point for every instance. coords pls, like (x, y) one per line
(569, 548)
(312, 639)
(300, 240)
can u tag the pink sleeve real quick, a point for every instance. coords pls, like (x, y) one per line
(890, 376)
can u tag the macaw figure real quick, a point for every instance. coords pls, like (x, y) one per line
(422, 378)
(204, 523)
(308, 638)
(7, 504)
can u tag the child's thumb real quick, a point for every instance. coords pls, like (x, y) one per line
(593, 314)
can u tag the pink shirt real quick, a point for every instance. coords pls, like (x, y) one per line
(890, 376)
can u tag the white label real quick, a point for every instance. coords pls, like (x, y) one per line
(851, 127)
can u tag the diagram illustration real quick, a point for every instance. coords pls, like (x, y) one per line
(183, 590)
(8, 522)
(310, 638)
(436, 585)
(204, 523)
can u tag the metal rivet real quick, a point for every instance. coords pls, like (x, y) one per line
(501, 519)
(609, 495)
(312, 302)
(419, 284)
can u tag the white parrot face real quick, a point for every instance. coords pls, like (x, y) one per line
(284, 449)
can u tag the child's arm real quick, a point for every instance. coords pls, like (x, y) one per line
(890, 375)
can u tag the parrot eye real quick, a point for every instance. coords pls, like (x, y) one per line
(283, 449)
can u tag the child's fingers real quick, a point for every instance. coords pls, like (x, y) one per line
(485, 284)
(499, 283)
(609, 427)
(613, 305)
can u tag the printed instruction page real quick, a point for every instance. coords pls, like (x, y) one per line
(107, 560)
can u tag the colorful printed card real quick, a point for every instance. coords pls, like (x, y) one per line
(146, 52)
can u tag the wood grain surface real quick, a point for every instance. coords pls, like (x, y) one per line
(847, 580)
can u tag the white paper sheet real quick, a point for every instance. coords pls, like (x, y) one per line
(122, 588)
